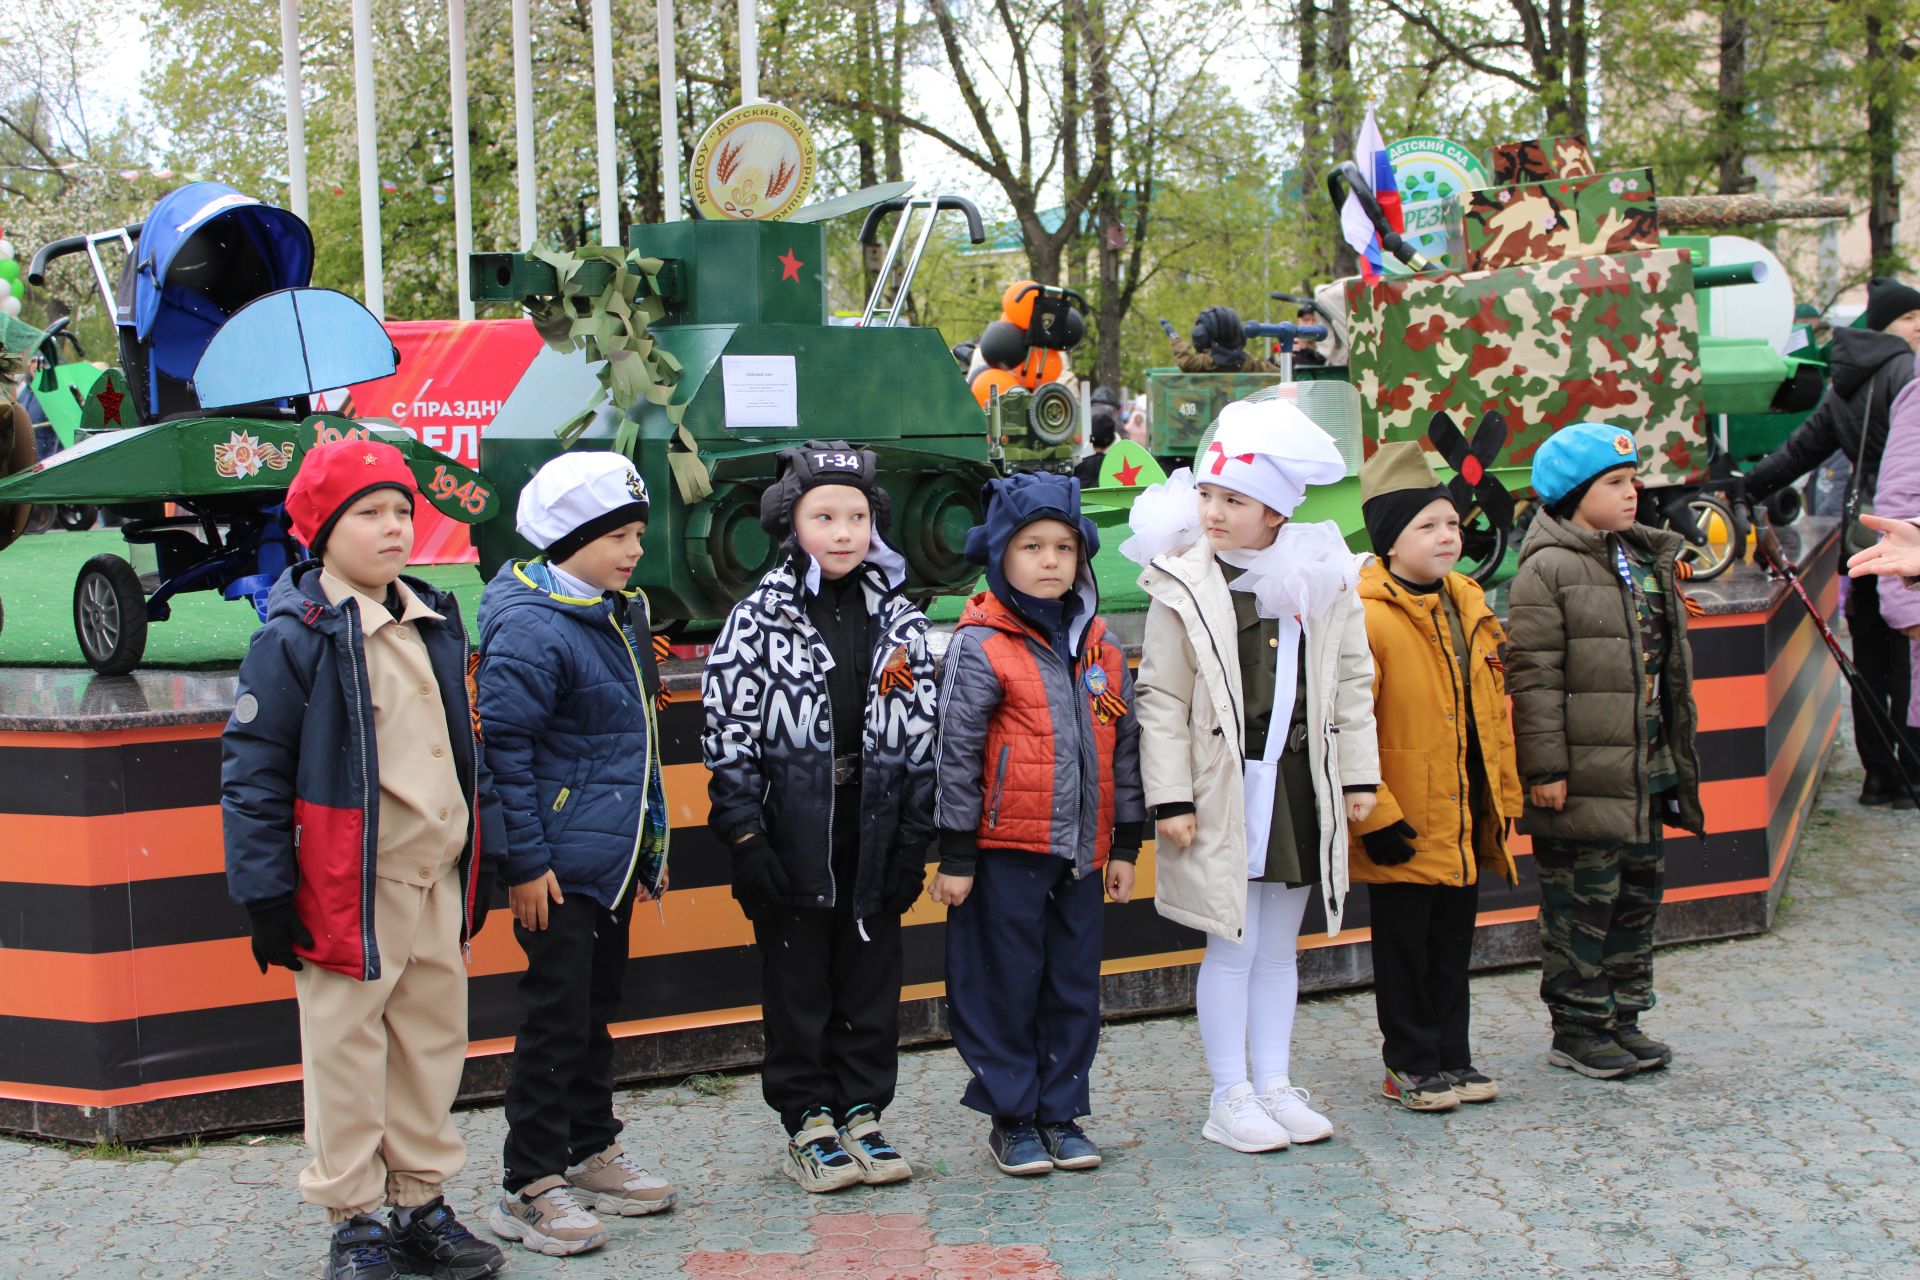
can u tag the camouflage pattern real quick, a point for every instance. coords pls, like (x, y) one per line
(1598, 903)
(1182, 404)
(1612, 338)
(1536, 161)
(1609, 213)
(1191, 361)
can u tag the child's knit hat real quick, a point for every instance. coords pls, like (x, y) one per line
(1888, 300)
(578, 497)
(1575, 456)
(334, 476)
(1270, 451)
(1396, 484)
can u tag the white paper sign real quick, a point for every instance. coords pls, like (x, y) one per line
(760, 391)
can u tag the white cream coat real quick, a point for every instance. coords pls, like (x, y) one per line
(1192, 727)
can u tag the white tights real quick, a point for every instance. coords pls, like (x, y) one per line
(1247, 990)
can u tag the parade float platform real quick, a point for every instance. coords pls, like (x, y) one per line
(131, 1009)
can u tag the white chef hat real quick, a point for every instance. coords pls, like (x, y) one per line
(576, 498)
(1270, 451)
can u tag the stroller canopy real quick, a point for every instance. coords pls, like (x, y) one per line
(204, 252)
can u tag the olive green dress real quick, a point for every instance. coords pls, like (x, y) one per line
(1293, 841)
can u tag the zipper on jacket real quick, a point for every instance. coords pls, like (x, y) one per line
(999, 784)
(368, 820)
(1640, 779)
(646, 770)
(1461, 779)
(469, 892)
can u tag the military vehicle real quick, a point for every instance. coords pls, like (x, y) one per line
(194, 436)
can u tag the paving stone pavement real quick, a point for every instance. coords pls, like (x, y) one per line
(1782, 1142)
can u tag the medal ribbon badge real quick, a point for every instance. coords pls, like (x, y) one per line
(897, 674)
(1108, 705)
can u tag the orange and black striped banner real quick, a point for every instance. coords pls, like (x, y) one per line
(126, 979)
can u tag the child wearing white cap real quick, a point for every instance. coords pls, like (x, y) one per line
(1257, 741)
(567, 686)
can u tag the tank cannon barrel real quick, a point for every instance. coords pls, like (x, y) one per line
(1707, 213)
(1730, 273)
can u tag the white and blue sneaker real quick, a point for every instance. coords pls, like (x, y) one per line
(816, 1160)
(860, 1137)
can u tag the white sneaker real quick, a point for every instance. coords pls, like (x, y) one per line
(1241, 1122)
(1288, 1108)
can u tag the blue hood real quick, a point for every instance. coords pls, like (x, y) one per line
(1013, 503)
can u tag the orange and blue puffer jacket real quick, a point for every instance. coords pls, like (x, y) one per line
(1037, 752)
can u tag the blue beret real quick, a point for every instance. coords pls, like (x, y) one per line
(1576, 454)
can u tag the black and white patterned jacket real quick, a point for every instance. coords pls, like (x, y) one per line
(768, 740)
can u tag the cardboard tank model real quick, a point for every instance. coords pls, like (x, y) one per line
(1555, 299)
(195, 435)
(718, 354)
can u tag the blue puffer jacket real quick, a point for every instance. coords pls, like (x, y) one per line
(566, 695)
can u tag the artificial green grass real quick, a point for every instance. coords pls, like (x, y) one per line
(36, 591)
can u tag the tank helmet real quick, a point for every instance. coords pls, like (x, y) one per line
(816, 463)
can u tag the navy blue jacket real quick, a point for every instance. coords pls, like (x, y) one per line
(769, 740)
(566, 689)
(300, 770)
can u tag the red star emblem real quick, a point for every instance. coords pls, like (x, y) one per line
(790, 266)
(1128, 475)
(370, 458)
(1219, 456)
(109, 404)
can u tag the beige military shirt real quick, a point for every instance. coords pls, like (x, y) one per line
(423, 812)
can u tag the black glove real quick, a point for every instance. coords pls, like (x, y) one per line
(483, 886)
(906, 881)
(1390, 846)
(758, 878)
(276, 931)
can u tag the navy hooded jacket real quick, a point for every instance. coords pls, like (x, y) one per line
(566, 695)
(300, 769)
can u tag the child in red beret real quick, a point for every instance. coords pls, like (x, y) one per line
(354, 798)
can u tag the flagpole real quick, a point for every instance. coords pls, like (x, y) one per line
(296, 108)
(610, 230)
(371, 270)
(462, 169)
(523, 124)
(666, 32)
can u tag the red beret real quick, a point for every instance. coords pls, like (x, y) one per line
(335, 474)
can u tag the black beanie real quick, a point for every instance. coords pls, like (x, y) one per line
(1570, 501)
(1888, 300)
(1388, 515)
(563, 547)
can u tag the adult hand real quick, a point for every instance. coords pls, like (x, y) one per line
(1390, 846)
(1360, 805)
(529, 900)
(1549, 795)
(276, 931)
(1179, 832)
(1897, 554)
(1119, 880)
(950, 891)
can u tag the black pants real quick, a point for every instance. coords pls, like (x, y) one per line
(830, 1002)
(1023, 985)
(1422, 941)
(560, 1088)
(1884, 659)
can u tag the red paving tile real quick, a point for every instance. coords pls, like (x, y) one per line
(893, 1246)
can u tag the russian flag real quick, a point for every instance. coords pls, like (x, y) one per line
(1370, 157)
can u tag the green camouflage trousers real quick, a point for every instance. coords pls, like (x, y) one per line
(1598, 901)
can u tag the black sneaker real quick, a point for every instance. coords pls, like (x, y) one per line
(1017, 1148)
(1877, 790)
(1591, 1053)
(428, 1240)
(1650, 1053)
(361, 1250)
(1068, 1146)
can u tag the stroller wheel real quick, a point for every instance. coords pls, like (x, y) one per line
(110, 615)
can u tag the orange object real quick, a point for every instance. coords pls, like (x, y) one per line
(987, 381)
(1015, 308)
(1041, 365)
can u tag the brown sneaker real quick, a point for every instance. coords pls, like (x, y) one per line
(613, 1182)
(545, 1218)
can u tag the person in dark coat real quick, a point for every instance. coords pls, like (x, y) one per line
(1869, 368)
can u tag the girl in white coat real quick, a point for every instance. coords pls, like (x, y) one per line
(1255, 698)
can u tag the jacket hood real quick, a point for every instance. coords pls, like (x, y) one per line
(1013, 503)
(1858, 354)
(298, 591)
(1550, 530)
(527, 584)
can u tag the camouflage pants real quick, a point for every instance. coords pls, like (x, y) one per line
(1598, 901)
